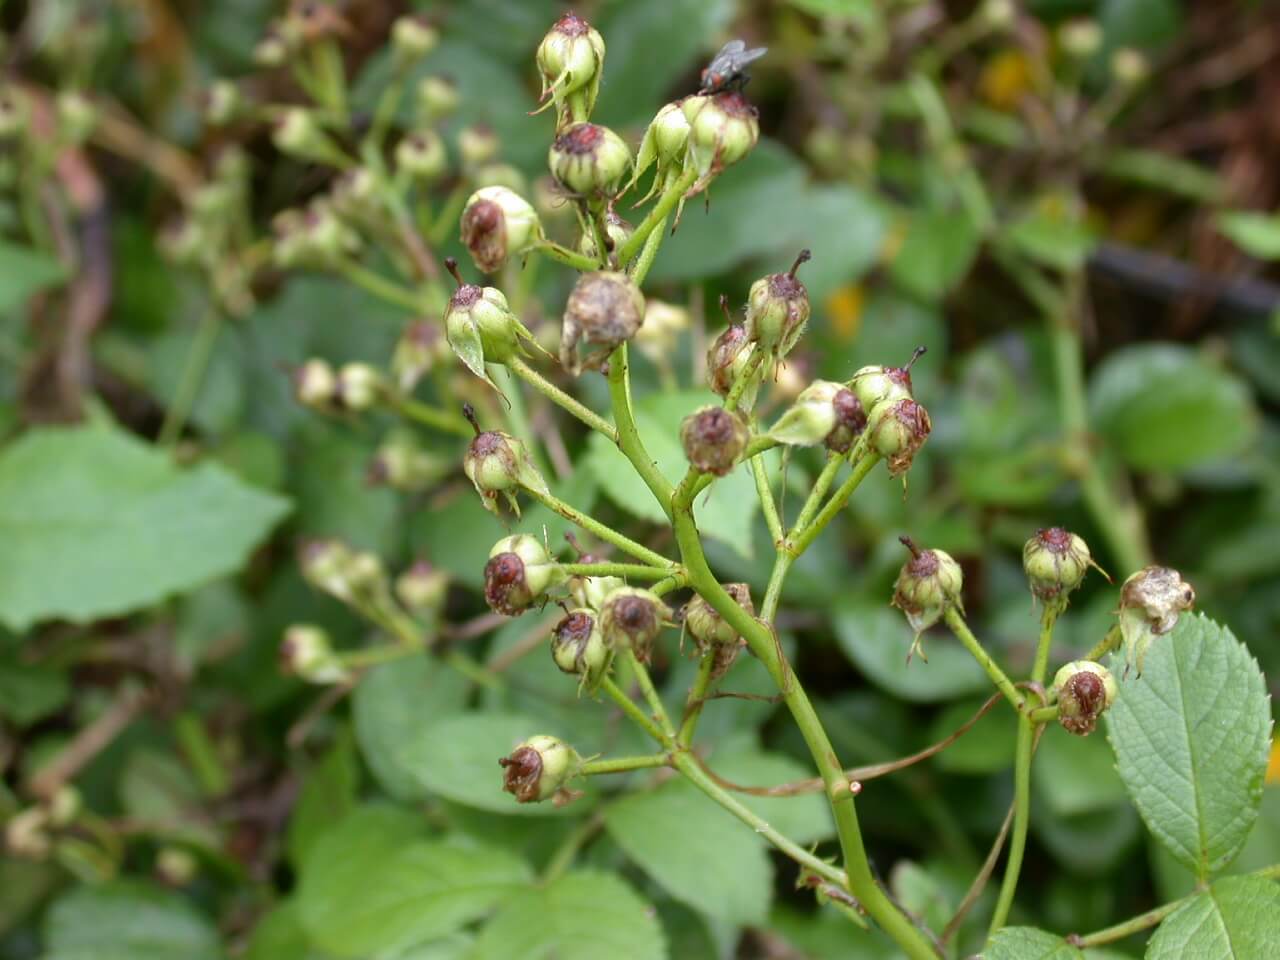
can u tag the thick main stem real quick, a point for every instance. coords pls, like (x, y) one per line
(629, 441)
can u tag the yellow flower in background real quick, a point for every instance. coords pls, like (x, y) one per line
(1005, 79)
(1273, 765)
(844, 306)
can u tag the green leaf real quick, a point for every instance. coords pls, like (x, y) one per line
(1191, 737)
(1028, 943)
(392, 703)
(725, 512)
(23, 272)
(96, 523)
(280, 934)
(124, 920)
(876, 638)
(864, 11)
(30, 691)
(328, 796)
(935, 254)
(457, 758)
(805, 818)
(986, 747)
(695, 850)
(369, 886)
(1161, 171)
(1235, 919)
(1075, 775)
(1257, 234)
(1052, 240)
(584, 915)
(1165, 407)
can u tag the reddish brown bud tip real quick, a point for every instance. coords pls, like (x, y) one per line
(523, 774)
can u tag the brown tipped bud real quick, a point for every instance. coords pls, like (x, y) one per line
(589, 160)
(778, 310)
(727, 357)
(539, 769)
(631, 618)
(497, 462)
(477, 144)
(412, 38)
(422, 588)
(578, 647)
(421, 346)
(306, 652)
(851, 420)
(480, 326)
(898, 431)
(1151, 602)
(325, 564)
(437, 97)
(1055, 561)
(875, 384)
(498, 223)
(824, 412)
(723, 128)
(1084, 690)
(928, 585)
(518, 574)
(713, 439)
(604, 309)
(422, 155)
(570, 59)
(360, 386)
(705, 624)
(316, 385)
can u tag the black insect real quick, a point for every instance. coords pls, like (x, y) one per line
(728, 69)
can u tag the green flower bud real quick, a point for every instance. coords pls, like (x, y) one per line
(77, 116)
(875, 384)
(578, 647)
(1151, 602)
(422, 588)
(1083, 690)
(176, 867)
(477, 144)
(65, 806)
(540, 769)
(412, 38)
(589, 592)
(420, 347)
(360, 386)
(496, 224)
(366, 576)
(355, 195)
(898, 431)
(778, 310)
(495, 463)
(604, 309)
(481, 327)
(727, 358)
(570, 58)
(713, 439)
(1129, 66)
(26, 834)
(706, 625)
(325, 565)
(1055, 561)
(13, 113)
(297, 133)
(402, 464)
(271, 50)
(998, 14)
(1080, 38)
(928, 585)
(616, 232)
(222, 103)
(660, 332)
(500, 175)
(631, 618)
(589, 160)
(316, 385)
(183, 240)
(824, 412)
(437, 98)
(518, 574)
(307, 653)
(723, 128)
(314, 237)
(421, 155)
(666, 143)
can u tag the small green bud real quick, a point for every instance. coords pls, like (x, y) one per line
(412, 38)
(65, 806)
(183, 240)
(13, 113)
(589, 592)
(824, 412)
(498, 223)
(1055, 561)
(1080, 38)
(727, 358)
(26, 834)
(316, 385)
(477, 144)
(307, 653)
(480, 326)
(631, 618)
(540, 769)
(589, 160)
(570, 58)
(402, 464)
(1129, 66)
(495, 463)
(518, 574)
(875, 384)
(928, 585)
(355, 195)
(666, 143)
(222, 103)
(422, 588)
(578, 647)
(998, 14)
(272, 50)
(898, 431)
(723, 128)
(616, 232)
(421, 346)
(500, 175)
(298, 134)
(705, 624)
(604, 309)
(437, 98)
(1083, 690)
(365, 575)
(659, 333)
(1151, 603)
(360, 386)
(77, 116)
(176, 867)
(325, 565)
(422, 155)
(713, 439)
(778, 310)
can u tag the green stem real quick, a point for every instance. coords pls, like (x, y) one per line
(629, 440)
(971, 643)
(635, 570)
(656, 706)
(521, 368)
(629, 707)
(799, 543)
(657, 216)
(773, 591)
(1042, 715)
(605, 533)
(193, 372)
(768, 505)
(519, 420)
(744, 381)
(1108, 643)
(640, 269)
(696, 700)
(820, 487)
(380, 286)
(386, 653)
(625, 764)
(429, 416)
(569, 848)
(570, 258)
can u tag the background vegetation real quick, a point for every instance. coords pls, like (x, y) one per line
(1090, 187)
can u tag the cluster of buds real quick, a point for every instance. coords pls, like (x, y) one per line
(497, 223)
(315, 236)
(519, 573)
(570, 60)
(631, 619)
(352, 576)
(714, 635)
(354, 387)
(604, 310)
(480, 326)
(578, 647)
(898, 425)
(929, 584)
(1055, 561)
(1083, 690)
(401, 463)
(307, 652)
(713, 439)
(541, 769)
(1151, 603)
(30, 833)
(824, 412)
(498, 463)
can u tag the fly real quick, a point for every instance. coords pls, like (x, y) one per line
(728, 69)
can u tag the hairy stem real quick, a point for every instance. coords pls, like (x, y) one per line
(625, 764)
(971, 643)
(657, 216)
(632, 710)
(602, 531)
(696, 700)
(521, 369)
(629, 441)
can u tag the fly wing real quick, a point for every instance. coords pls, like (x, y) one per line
(723, 62)
(747, 56)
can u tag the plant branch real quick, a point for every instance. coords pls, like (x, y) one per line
(569, 404)
(971, 643)
(629, 440)
(657, 216)
(602, 531)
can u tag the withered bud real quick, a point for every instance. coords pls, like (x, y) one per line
(928, 585)
(632, 618)
(589, 160)
(713, 439)
(1055, 561)
(604, 310)
(727, 357)
(778, 310)
(539, 769)
(898, 431)
(705, 624)
(1084, 690)
(518, 574)
(578, 647)
(1151, 602)
(876, 384)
